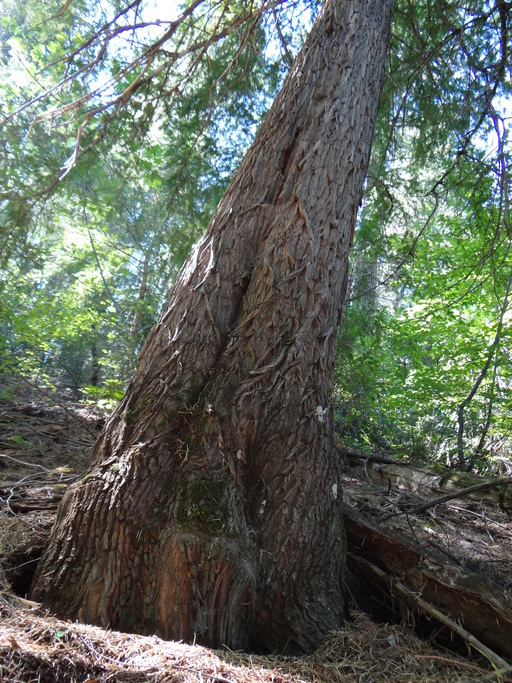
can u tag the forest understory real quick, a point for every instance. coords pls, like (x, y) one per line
(430, 584)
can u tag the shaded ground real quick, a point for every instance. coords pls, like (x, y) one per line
(45, 445)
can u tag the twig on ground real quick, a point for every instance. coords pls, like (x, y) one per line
(496, 675)
(25, 464)
(460, 494)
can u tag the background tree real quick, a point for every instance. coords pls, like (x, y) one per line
(435, 226)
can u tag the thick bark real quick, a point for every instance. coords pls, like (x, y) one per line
(213, 505)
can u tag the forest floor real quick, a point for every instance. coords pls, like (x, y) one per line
(45, 445)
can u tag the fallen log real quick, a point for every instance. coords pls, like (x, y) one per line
(476, 603)
(415, 600)
(388, 473)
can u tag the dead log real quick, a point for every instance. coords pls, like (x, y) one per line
(416, 600)
(353, 455)
(389, 473)
(470, 599)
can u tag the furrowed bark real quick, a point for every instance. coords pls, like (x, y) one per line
(212, 509)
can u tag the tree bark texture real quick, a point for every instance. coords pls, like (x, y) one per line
(212, 509)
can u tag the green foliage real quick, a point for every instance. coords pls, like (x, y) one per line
(422, 342)
(87, 260)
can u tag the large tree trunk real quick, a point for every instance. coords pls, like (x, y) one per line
(212, 509)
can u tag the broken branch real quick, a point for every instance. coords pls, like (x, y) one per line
(461, 494)
(431, 611)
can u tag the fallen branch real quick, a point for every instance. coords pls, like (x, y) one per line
(467, 596)
(62, 405)
(22, 462)
(403, 476)
(431, 611)
(460, 494)
(496, 675)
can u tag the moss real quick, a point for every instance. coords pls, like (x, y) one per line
(131, 414)
(203, 505)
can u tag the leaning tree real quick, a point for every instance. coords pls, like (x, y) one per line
(212, 506)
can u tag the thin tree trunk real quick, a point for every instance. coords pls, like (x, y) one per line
(137, 316)
(481, 376)
(488, 415)
(95, 361)
(128, 364)
(212, 509)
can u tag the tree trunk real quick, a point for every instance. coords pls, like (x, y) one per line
(212, 509)
(95, 360)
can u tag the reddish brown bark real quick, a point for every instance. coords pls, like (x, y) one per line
(213, 505)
